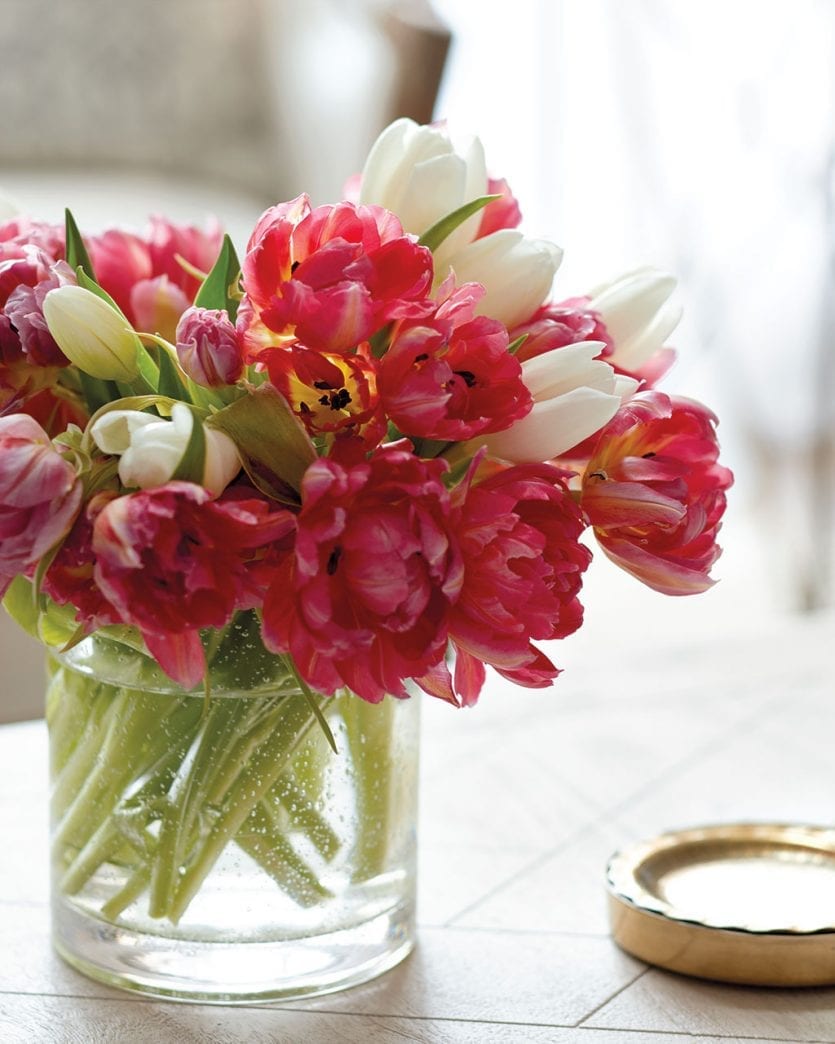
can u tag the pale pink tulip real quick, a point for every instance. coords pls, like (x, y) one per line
(40, 496)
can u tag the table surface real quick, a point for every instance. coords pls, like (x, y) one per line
(675, 715)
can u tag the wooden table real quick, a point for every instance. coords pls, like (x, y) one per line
(670, 713)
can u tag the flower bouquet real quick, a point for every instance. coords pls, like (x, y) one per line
(251, 506)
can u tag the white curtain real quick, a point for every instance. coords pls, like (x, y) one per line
(697, 135)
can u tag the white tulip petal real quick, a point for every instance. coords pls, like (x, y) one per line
(625, 387)
(222, 461)
(625, 277)
(632, 353)
(433, 189)
(563, 369)
(516, 272)
(630, 304)
(383, 159)
(151, 448)
(182, 419)
(150, 462)
(421, 175)
(91, 333)
(113, 431)
(554, 426)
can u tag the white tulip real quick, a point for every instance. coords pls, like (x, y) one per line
(151, 448)
(516, 272)
(575, 395)
(638, 313)
(91, 333)
(421, 175)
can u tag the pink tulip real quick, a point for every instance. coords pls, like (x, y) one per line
(172, 561)
(121, 260)
(208, 348)
(655, 493)
(200, 247)
(40, 495)
(20, 232)
(328, 277)
(558, 325)
(335, 396)
(70, 580)
(157, 305)
(363, 599)
(450, 376)
(24, 309)
(519, 533)
(144, 277)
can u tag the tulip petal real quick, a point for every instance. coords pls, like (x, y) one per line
(180, 655)
(554, 426)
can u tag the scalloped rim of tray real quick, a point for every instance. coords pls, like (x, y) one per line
(760, 948)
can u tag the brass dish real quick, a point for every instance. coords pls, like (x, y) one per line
(747, 903)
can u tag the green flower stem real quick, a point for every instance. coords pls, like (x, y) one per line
(100, 847)
(72, 765)
(238, 754)
(187, 798)
(369, 737)
(254, 781)
(289, 799)
(262, 841)
(125, 828)
(131, 891)
(68, 710)
(133, 724)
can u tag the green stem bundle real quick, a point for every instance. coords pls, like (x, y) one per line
(159, 785)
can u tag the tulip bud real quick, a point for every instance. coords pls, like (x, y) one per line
(91, 333)
(151, 448)
(516, 272)
(207, 347)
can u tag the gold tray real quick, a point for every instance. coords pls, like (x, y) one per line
(747, 902)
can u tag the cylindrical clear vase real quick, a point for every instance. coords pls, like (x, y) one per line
(212, 846)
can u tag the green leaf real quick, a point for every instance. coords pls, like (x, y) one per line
(218, 287)
(313, 704)
(430, 447)
(514, 346)
(170, 382)
(192, 464)
(148, 379)
(271, 440)
(95, 391)
(57, 624)
(90, 284)
(77, 256)
(19, 602)
(434, 236)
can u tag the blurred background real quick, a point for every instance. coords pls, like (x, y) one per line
(695, 135)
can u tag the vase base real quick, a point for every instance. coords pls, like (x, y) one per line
(231, 972)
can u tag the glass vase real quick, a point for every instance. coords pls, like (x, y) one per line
(210, 845)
